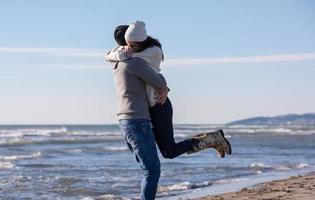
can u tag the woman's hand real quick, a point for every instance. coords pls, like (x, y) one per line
(161, 95)
(128, 51)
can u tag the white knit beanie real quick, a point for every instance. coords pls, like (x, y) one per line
(136, 32)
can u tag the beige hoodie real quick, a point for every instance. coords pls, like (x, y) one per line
(152, 55)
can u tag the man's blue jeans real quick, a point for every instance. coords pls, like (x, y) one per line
(140, 140)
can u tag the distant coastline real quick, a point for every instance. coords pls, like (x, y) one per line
(289, 119)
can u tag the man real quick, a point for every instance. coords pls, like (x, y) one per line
(131, 77)
(134, 119)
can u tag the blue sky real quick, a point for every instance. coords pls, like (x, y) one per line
(225, 60)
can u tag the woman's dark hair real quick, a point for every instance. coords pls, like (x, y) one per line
(149, 42)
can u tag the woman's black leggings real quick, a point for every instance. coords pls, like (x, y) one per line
(162, 121)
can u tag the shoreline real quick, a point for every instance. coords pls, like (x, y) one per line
(227, 190)
(300, 187)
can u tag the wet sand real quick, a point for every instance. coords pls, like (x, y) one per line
(296, 187)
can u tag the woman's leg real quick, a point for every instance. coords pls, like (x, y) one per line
(139, 137)
(162, 121)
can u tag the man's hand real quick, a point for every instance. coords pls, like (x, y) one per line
(161, 95)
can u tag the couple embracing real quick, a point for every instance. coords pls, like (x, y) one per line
(144, 110)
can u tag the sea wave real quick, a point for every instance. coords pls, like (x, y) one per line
(46, 132)
(232, 180)
(194, 126)
(260, 130)
(188, 185)
(274, 130)
(16, 133)
(302, 165)
(195, 130)
(74, 150)
(10, 133)
(6, 165)
(303, 132)
(180, 135)
(190, 133)
(120, 148)
(94, 133)
(19, 157)
(260, 167)
(289, 166)
(106, 196)
(58, 140)
(42, 131)
(183, 186)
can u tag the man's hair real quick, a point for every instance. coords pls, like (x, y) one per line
(119, 34)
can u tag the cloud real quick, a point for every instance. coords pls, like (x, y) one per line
(79, 52)
(243, 59)
(99, 53)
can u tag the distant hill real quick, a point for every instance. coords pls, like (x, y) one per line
(294, 119)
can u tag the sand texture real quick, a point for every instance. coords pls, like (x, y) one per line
(296, 187)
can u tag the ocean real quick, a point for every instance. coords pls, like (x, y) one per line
(93, 162)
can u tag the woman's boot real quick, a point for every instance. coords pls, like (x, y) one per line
(211, 140)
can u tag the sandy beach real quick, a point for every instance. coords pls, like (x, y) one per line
(295, 187)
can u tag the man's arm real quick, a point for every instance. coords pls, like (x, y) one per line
(141, 69)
